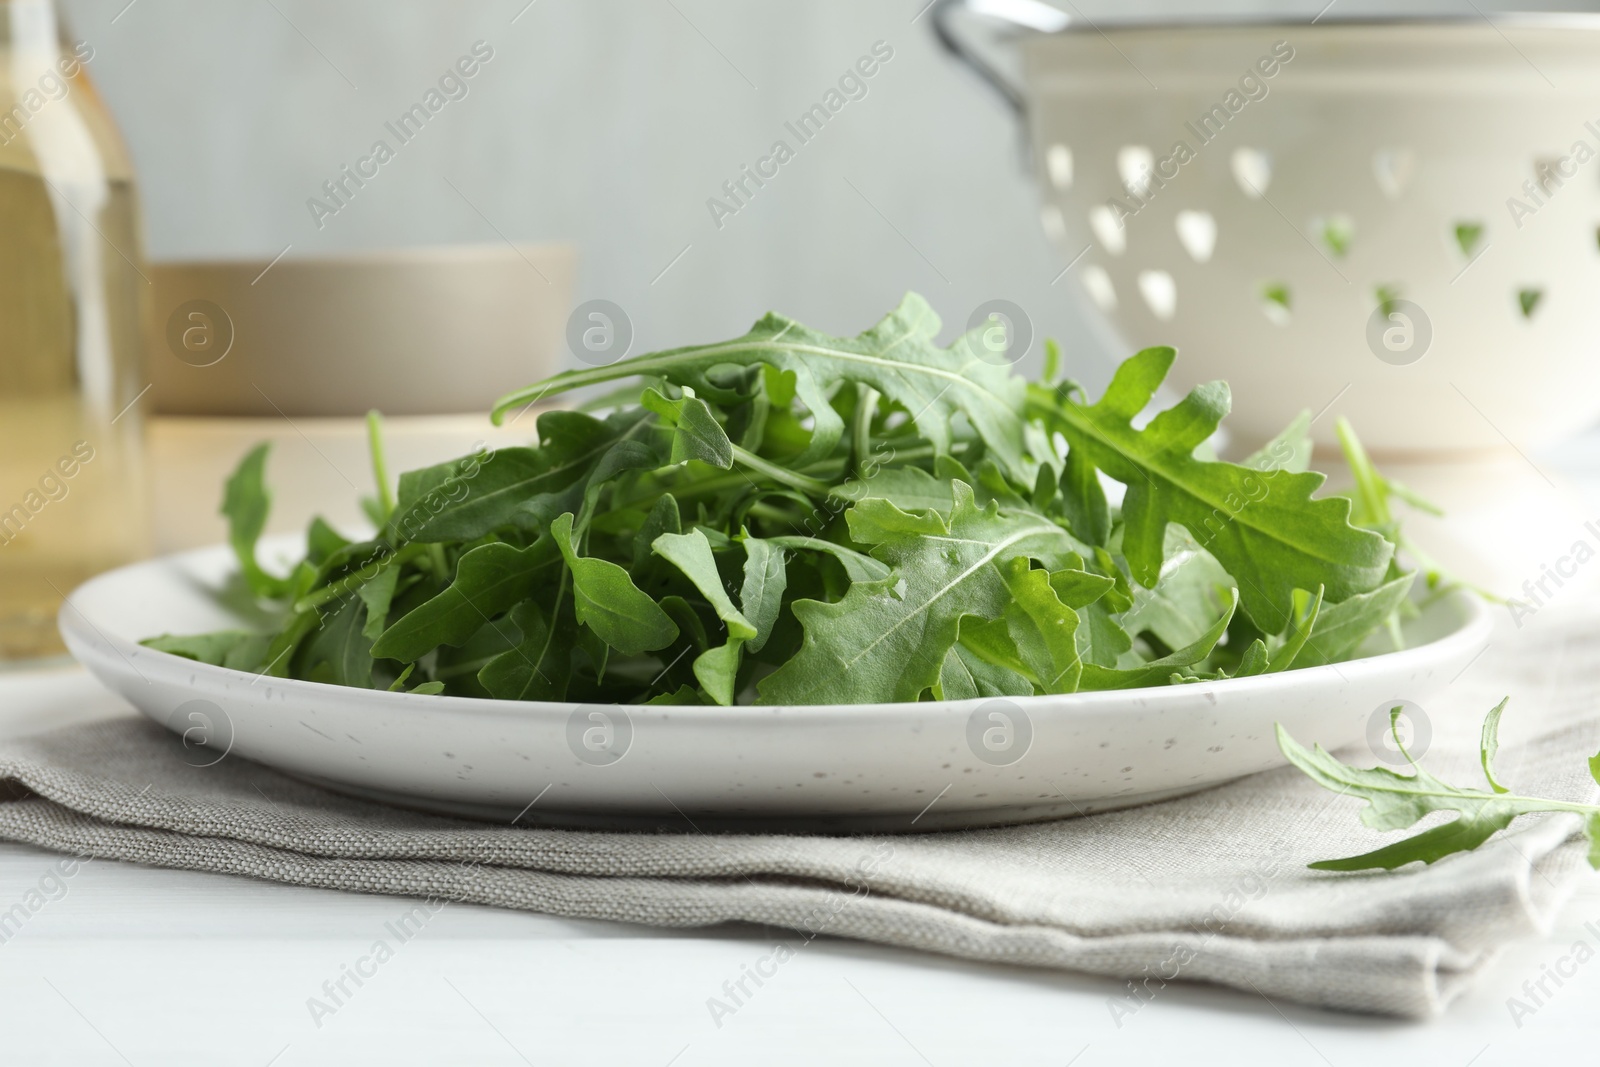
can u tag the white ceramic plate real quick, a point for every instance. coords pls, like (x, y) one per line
(878, 767)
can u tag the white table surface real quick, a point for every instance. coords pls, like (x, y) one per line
(140, 966)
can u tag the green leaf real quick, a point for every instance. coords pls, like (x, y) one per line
(1156, 671)
(470, 497)
(210, 648)
(691, 554)
(908, 488)
(989, 679)
(1043, 628)
(886, 640)
(897, 357)
(246, 502)
(489, 579)
(716, 668)
(609, 603)
(1489, 744)
(1396, 801)
(341, 649)
(955, 680)
(684, 695)
(1254, 661)
(1343, 626)
(1301, 623)
(663, 518)
(377, 593)
(765, 579)
(537, 667)
(859, 567)
(696, 433)
(1185, 598)
(1083, 499)
(323, 540)
(1262, 526)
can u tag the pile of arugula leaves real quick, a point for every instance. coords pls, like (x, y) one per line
(794, 518)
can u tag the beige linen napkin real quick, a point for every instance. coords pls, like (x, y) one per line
(1211, 887)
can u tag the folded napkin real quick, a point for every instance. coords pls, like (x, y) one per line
(1211, 887)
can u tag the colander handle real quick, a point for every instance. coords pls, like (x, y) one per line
(1023, 14)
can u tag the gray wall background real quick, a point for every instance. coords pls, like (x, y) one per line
(608, 123)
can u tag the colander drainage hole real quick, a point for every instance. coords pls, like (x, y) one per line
(1334, 232)
(1528, 301)
(1275, 302)
(1197, 232)
(1252, 169)
(1160, 293)
(1098, 284)
(1468, 236)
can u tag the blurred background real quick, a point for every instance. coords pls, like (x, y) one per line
(579, 159)
(608, 123)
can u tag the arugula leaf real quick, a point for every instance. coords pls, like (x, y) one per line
(609, 603)
(1396, 801)
(887, 640)
(1083, 499)
(1342, 627)
(489, 579)
(538, 666)
(340, 652)
(377, 594)
(246, 503)
(1301, 624)
(897, 357)
(716, 668)
(212, 648)
(1156, 671)
(467, 498)
(765, 579)
(1043, 627)
(1262, 526)
(860, 568)
(696, 433)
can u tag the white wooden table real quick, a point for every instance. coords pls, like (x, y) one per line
(132, 965)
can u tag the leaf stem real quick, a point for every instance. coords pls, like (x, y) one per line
(782, 475)
(380, 466)
(355, 579)
(861, 428)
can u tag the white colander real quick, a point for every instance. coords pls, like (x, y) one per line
(1397, 224)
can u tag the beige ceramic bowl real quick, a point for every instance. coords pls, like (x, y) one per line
(421, 331)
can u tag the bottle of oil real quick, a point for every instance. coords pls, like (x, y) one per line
(73, 293)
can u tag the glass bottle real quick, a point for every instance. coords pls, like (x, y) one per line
(73, 293)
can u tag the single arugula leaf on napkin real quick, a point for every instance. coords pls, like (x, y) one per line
(1398, 801)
